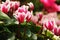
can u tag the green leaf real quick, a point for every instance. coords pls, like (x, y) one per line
(6, 29)
(4, 16)
(34, 37)
(11, 22)
(56, 37)
(1, 23)
(12, 38)
(37, 29)
(28, 24)
(24, 23)
(49, 33)
(28, 33)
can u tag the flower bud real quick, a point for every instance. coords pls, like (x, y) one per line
(20, 17)
(4, 9)
(55, 31)
(34, 19)
(31, 6)
(29, 15)
(49, 25)
(39, 15)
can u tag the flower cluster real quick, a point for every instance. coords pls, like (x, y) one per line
(37, 18)
(50, 22)
(9, 6)
(22, 14)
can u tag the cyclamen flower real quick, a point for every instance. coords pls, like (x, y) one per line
(58, 22)
(37, 18)
(34, 19)
(47, 2)
(50, 5)
(22, 14)
(39, 15)
(56, 31)
(4, 8)
(31, 6)
(54, 15)
(49, 25)
(9, 5)
(23, 9)
(58, 8)
(20, 17)
(29, 16)
(49, 21)
(14, 5)
(50, 16)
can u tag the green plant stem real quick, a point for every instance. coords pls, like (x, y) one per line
(40, 31)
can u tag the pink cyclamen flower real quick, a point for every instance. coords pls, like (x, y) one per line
(20, 17)
(56, 31)
(29, 16)
(31, 6)
(23, 9)
(58, 22)
(22, 14)
(58, 8)
(20, 9)
(39, 15)
(9, 6)
(34, 19)
(50, 5)
(14, 5)
(49, 25)
(52, 8)
(47, 2)
(4, 8)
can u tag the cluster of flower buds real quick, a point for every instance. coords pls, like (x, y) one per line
(37, 18)
(50, 5)
(22, 14)
(50, 23)
(9, 6)
(52, 26)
